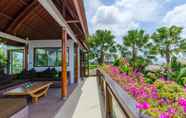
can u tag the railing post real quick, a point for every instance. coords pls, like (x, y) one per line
(108, 102)
(98, 77)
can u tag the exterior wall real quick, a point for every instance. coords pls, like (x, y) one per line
(51, 43)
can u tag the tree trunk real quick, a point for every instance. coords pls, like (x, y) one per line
(167, 54)
(134, 55)
(101, 60)
(167, 58)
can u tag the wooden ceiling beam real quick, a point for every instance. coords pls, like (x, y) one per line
(51, 8)
(73, 21)
(23, 2)
(22, 17)
(6, 16)
(12, 37)
(79, 12)
(72, 13)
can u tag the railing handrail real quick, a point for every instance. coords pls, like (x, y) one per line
(126, 102)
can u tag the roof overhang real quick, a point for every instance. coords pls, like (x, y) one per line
(13, 38)
(54, 12)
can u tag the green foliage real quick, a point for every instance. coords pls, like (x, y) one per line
(124, 69)
(134, 44)
(100, 43)
(167, 41)
(175, 65)
(182, 81)
(116, 62)
(182, 73)
(151, 77)
(149, 80)
(92, 66)
(3, 60)
(169, 90)
(140, 63)
(178, 76)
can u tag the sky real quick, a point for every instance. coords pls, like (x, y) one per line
(119, 16)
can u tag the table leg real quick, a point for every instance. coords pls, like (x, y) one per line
(35, 100)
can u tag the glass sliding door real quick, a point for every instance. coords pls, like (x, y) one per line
(16, 61)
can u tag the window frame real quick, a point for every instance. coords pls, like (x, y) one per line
(47, 48)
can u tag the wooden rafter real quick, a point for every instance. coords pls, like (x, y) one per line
(23, 2)
(73, 21)
(6, 16)
(22, 17)
(79, 12)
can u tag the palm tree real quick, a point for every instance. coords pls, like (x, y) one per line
(100, 43)
(135, 43)
(167, 41)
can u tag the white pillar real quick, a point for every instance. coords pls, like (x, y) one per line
(79, 64)
(71, 61)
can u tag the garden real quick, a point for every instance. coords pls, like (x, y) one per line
(162, 97)
(159, 87)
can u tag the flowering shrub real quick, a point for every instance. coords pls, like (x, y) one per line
(162, 99)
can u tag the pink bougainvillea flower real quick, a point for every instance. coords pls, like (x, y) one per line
(182, 101)
(171, 111)
(165, 115)
(124, 75)
(162, 78)
(115, 70)
(142, 106)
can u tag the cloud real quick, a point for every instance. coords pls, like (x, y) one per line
(110, 17)
(177, 16)
(123, 15)
(143, 10)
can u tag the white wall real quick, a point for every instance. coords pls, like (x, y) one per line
(51, 43)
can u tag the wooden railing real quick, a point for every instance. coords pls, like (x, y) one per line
(118, 104)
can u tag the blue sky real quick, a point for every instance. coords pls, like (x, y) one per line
(119, 16)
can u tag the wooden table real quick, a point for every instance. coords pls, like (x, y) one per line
(37, 90)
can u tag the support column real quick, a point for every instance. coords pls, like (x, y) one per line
(64, 83)
(26, 58)
(76, 63)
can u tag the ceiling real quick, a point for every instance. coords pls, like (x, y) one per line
(28, 19)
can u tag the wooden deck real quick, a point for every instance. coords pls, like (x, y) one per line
(48, 106)
(84, 102)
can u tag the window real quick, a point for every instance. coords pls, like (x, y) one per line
(16, 59)
(48, 57)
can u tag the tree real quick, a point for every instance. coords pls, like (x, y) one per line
(3, 60)
(100, 43)
(134, 43)
(167, 41)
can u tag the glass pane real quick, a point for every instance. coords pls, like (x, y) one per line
(52, 57)
(58, 62)
(47, 57)
(16, 61)
(41, 57)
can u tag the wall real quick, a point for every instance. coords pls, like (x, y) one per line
(51, 43)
